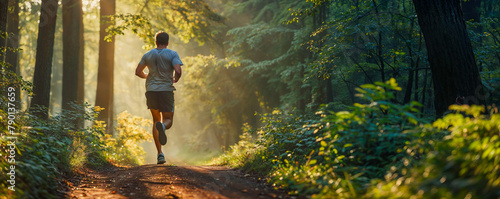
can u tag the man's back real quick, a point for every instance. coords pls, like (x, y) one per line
(161, 67)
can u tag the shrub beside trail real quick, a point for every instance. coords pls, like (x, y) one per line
(48, 151)
(375, 149)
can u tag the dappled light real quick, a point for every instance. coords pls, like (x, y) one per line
(250, 98)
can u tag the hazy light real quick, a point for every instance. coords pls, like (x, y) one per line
(89, 5)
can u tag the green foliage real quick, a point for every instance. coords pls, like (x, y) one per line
(352, 146)
(359, 42)
(378, 149)
(185, 19)
(290, 51)
(138, 24)
(266, 148)
(485, 40)
(464, 164)
(46, 150)
(273, 54)
(10, 79)
(125, 149)
(369, 136)
(333, 153)
(240, 152)
(285, 138)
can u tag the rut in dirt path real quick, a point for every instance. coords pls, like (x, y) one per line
(163, 181)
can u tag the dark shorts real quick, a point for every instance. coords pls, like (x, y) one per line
(160, 100)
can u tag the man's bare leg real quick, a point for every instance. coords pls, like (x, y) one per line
(168, 119)
(156, 118)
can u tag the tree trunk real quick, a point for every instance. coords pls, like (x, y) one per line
(72, 56)
(409, 84)
(81, 64)
(44, 52)
(302, 101)
(415, 96)
(416, 72)
(104, 95)
(379, 50)
(72, 19)
(452, 62)
(3, 31)
(329, 90)
(3, 26)
(424, 91)
(12, 57)
(318, 20)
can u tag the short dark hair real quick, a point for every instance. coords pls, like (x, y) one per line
(161, 38)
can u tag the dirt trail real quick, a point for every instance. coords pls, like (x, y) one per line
(163, 181)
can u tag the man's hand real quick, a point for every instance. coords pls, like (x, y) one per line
(177, 73)
(139, 71)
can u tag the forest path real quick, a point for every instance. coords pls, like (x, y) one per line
(166, 181)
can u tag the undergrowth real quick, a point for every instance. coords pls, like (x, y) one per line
(47, 151)
(376, 149)
(125, 149)
(463, 164)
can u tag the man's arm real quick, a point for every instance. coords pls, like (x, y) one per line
(177, 73)
(139, 71)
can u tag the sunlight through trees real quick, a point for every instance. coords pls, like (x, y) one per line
(325, 98)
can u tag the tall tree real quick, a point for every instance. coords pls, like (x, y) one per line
(72, 48)
(454, 71)
(44, 52)
(319, 19)
(3, 27)
(13, 43)
(3, 30)
(81, 66)
(104, 95)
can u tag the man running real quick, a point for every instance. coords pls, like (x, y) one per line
(162, 63)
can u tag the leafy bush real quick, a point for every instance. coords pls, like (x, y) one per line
(334, 153)
(279, 139)
(44, 150)
(124, 149)
(353, 147)
(11, 79)
(48, 150)
(463, 165)
(377, 150)
(239, 152)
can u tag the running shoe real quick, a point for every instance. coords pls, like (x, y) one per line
(161, 133)
(161, 158)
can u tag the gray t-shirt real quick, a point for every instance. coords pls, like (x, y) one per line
(161, 64)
